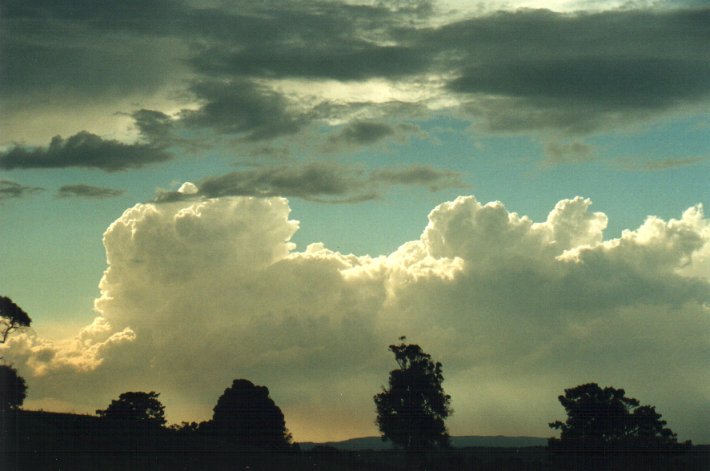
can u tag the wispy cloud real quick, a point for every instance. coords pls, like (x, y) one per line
(568, 151)
(10, 189)
(87, 191)
(644, 164)
(419, 175)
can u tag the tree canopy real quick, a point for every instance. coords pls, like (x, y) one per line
(12, 317)
(247, 416)
(140, 409)
(605, 419)
(412, 410)
(13, 389)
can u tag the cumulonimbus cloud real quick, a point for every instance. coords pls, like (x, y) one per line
(198, 293)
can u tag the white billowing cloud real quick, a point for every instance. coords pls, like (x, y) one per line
(199, 293)
(188, 188)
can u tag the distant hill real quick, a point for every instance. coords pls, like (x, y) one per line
(375, 443)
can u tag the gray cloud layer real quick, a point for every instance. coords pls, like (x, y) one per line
(325, 182)
(577, 72)
(87, 191)
(526, 70)
(84, 150)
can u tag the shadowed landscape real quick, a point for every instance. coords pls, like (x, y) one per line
(604, 430)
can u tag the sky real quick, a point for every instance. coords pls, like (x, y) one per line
(197, 191)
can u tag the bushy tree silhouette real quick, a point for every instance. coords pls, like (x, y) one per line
(136, 409)
(412, 410)
(603, 419)
(247, 416)
(12, 318)
(13, 389)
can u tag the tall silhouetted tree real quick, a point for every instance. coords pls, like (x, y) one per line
(13, 389)
(605, 419)
(136, 409)
(247, 416)
(12, 317)
(412, 410)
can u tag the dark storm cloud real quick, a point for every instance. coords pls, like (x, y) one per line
(64, 58)
(241, 107)
(519, 71)
(83, 150)
(578, 73)
(363, 132)
(320, 181)
(154, 126)
(525, 70)
(10, 189)
(91, 47)
(346, 60)
(311, 181)
(87, 191)
(100, 13)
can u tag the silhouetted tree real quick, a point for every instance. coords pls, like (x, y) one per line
(247, 416)
(13, 389)
(136, 409)
(12, 317)
(605, 419)
(412, 410)
(187, 428)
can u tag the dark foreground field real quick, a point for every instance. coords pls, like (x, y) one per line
(39, 441)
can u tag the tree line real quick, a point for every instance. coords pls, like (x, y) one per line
(410, 411)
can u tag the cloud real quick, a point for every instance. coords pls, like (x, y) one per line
(310, 181)
(315, 40)
(87, 191)
(574, 151)
(523, 71)
(342, 58)
(422, 175)
(10, 189)
(360, 132)
(516, 310)
(153, 126)
(83, 49)
(241, 107)
(578, 73)
(639, 163)
(83, 150)
(318, 181)
(267, 70)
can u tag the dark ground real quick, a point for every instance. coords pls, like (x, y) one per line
(39, 441)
